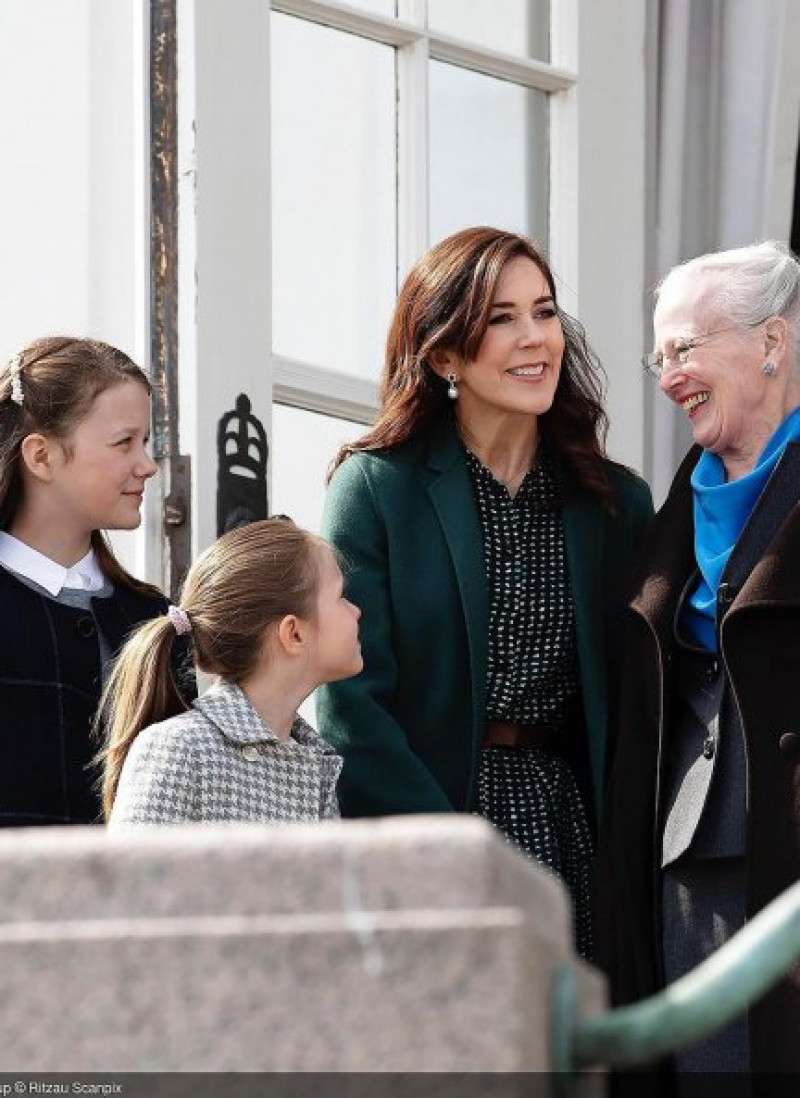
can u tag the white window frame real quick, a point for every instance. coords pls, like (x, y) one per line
(598, 208)
(330, 392)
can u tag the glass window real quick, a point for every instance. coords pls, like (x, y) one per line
(520, 27)
(489, 162)
(339, 105)
(302, 447)
(334, 192)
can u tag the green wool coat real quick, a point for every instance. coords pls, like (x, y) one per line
(410, 726)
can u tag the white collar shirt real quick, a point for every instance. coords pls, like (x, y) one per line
(18, 557)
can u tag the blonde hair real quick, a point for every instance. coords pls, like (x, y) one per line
(246, 581)
(57, 379)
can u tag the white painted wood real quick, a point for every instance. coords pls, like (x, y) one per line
(564, 159)
(344, 17)
(341, 395)
(413, 185)
(412, 155)
(225, 323)
(443, 47)
(505, 66)
(414, 12)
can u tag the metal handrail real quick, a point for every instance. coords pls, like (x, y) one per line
(703, 1001)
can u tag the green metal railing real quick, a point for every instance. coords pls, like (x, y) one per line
(698, 1004)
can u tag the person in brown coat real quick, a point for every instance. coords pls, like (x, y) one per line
(702, 821)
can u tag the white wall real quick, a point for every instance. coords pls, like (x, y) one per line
(225, 261)
(46, 140)
(72, 230)
(70, 222)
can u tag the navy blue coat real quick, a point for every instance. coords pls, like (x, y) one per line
(51, 678)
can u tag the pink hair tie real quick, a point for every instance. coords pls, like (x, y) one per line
(180, 619)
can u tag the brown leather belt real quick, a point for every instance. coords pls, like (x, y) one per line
(511, 734)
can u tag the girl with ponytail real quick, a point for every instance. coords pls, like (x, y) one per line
(74, 428)
(265, 614)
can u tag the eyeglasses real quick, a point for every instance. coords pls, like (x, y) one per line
(681, 349)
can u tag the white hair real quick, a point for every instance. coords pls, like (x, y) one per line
(749, 284)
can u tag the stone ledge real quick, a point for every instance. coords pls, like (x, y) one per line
(424, 862)
(413, 944)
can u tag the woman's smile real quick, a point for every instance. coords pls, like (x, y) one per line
(528, 373)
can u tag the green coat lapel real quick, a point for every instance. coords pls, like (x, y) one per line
(584, 535)
(451, 495)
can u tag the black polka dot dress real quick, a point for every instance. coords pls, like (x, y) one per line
(531, 794)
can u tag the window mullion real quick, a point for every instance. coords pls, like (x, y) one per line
(413, 11)
(316, 389)
(412, 154)
(564, 156)
(504, 66)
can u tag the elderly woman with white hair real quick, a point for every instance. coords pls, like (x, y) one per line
(703, 817)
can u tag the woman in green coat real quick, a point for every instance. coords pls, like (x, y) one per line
(487, 538)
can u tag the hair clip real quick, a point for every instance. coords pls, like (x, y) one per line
(14, 372)
(180, 620)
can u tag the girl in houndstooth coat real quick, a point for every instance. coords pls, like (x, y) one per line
(264, 610)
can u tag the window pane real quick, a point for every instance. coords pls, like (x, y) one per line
(520, 27)
(334, 257)
(488, 154)
(302, 447)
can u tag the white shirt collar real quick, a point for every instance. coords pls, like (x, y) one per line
(53, 577)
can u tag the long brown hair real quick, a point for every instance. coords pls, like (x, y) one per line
(445, 305)
(60, 377)
(247, 580)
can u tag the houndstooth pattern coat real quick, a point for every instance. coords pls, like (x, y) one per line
(219, 761)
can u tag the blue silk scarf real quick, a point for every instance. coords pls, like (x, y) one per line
(721, 509)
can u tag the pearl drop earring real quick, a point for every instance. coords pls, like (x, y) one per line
(452, 390)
